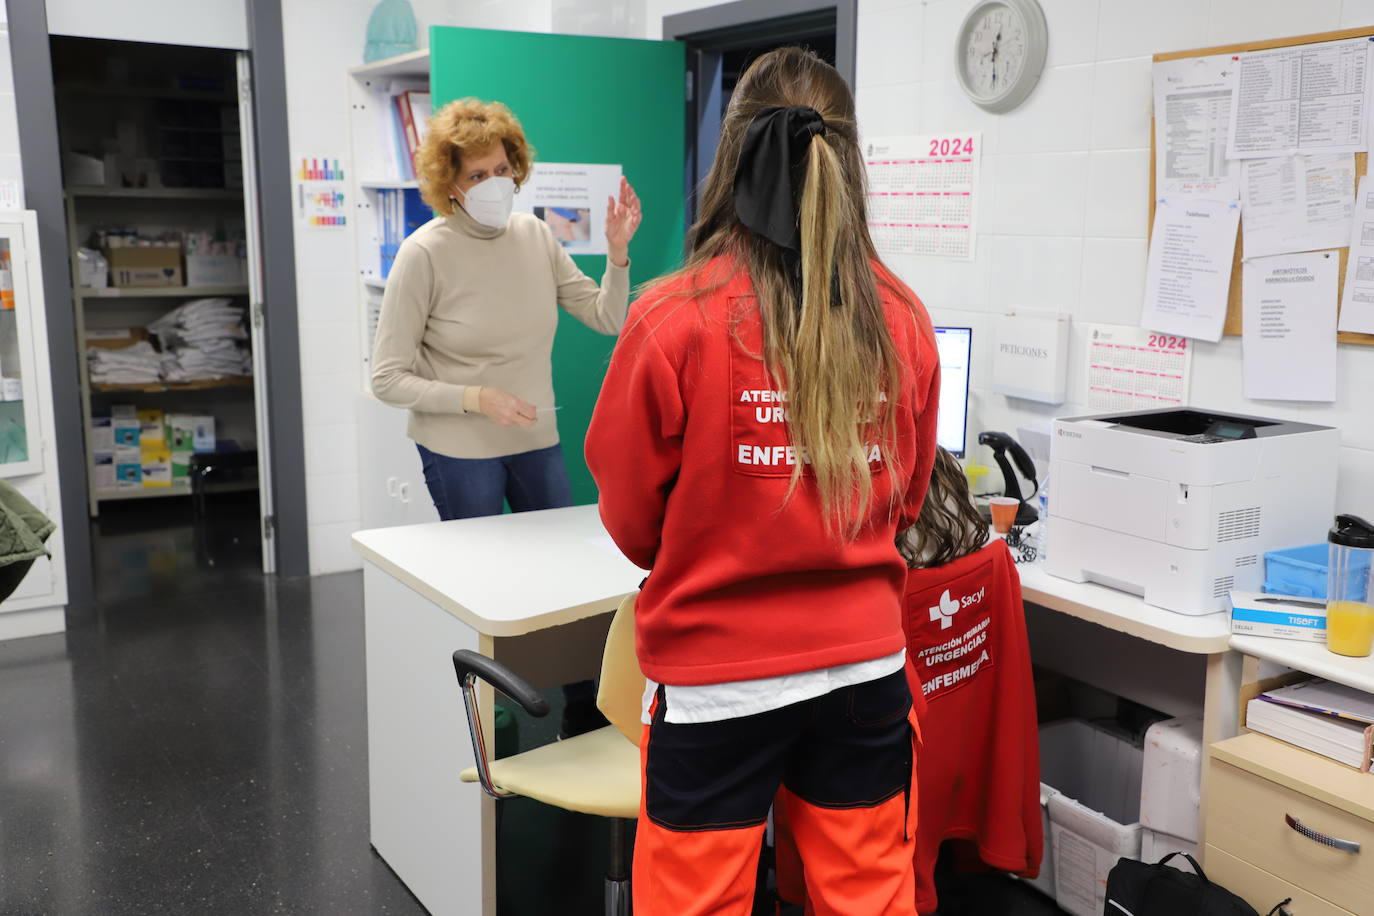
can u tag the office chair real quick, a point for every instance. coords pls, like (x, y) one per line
(596, 773)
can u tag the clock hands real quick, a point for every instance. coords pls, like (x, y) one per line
(995, 41)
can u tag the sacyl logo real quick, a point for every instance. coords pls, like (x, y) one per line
(949, 606)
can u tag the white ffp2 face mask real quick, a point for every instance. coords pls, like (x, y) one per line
(490, 201)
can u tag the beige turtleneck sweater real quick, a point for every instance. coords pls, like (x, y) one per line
(467, 305)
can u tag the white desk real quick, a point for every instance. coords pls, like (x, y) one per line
(534, 591)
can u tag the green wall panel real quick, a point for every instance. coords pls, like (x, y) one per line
(595, 100)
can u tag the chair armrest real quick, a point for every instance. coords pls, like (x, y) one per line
(469, 666)
(467, 663)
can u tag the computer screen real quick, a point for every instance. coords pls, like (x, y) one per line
(956, 349)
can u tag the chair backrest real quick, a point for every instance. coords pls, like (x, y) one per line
(620, 695)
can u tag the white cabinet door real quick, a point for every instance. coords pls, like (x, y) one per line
(21, 441)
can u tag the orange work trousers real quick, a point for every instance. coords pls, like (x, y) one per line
(843, 763)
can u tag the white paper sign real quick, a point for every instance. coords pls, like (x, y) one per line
(1192, 120)
(1129, 368)
(1289, 335)
(1307, 98)
(571, 198)
(922, 193)
(1357, 300)
(1188, 274)
(1297, 203)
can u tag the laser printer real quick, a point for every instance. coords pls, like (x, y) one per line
(1178, 506)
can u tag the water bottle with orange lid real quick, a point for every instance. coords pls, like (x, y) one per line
(1349, 601)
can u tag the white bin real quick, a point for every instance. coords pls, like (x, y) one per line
(1045, 882)
(1170, 789)
(1094, 813)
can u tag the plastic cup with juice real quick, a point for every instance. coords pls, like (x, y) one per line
(1349, 601)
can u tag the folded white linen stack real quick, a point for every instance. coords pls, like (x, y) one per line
(203, 339)
(134, 365)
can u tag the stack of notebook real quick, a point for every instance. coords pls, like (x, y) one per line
(1328, 719)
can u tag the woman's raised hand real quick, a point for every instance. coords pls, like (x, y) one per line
(622, 220)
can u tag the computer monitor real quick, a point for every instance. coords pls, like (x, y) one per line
(956, 350)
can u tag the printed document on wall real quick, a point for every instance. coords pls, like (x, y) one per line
(1357, 299)
(1307, 98)
(1192, 118)
(1129, 368)
(571, 198)
(1188, 274)
(1289, 333)
(922, 194)
(1296, 203)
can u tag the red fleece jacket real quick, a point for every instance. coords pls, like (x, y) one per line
(689, 448)
(979, 766)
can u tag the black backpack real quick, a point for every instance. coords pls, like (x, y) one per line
(1140, 889)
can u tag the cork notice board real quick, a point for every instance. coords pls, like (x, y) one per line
(1233, 307)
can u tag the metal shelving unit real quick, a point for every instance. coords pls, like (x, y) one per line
(159, 193)
(135, 306)
(157, 292)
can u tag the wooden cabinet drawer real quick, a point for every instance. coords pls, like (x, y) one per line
(1262, 890)
(1245, 818)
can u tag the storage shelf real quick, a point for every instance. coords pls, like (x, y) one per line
(145, 92)
(377, 283)
(388, 185)
(143, 492)
(175, 489)
(158, 193)
(159, 292)
(415, 64)
(161, 388)
(1312, 657)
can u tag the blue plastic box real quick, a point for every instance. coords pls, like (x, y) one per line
(1297, 571)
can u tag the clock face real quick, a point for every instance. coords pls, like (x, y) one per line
(994, 50)
(1000, 52)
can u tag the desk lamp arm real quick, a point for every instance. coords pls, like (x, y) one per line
(469, 666)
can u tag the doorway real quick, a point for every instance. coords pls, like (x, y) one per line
(722, 41)
(159, 196)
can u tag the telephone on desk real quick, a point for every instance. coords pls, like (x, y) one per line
(1001, 443)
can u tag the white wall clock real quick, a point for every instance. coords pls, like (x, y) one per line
(1000, 52)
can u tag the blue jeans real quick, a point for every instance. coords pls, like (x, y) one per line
(474, 487)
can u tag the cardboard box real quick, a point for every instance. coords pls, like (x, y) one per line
(126, 433)
(80, 170)
(103, 475)
(152, 429)
(102, 436)
(145, 266)
(157, 467)
(215, 270)
(115, 338)
(203, 433)
(128, 474)
(181, 466)
(181, 435)
(1279, 616)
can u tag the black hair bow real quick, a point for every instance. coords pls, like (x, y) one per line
(769, 175)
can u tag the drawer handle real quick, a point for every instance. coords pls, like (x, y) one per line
(1314, 836)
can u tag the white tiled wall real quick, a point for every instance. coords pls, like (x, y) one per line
(10, 172)
(1062, 214)
(1064, 183)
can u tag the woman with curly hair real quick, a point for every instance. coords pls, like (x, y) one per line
(467, 324)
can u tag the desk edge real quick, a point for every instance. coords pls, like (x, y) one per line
(496, 629)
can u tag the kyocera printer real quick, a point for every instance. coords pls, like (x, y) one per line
(1179, 505)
